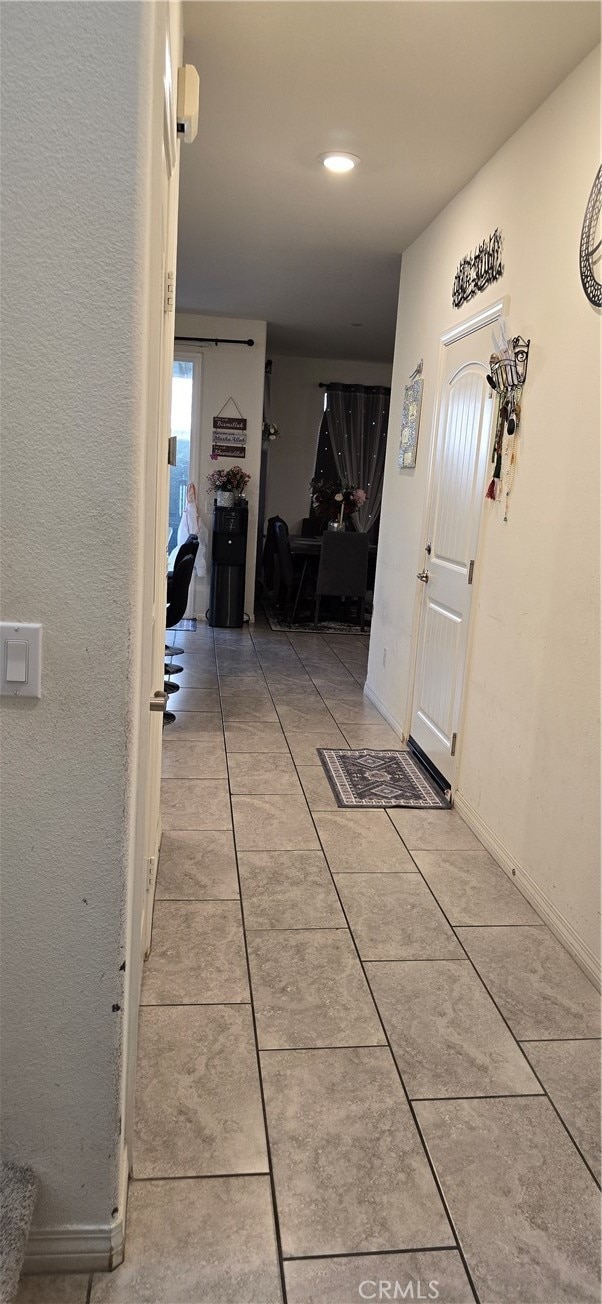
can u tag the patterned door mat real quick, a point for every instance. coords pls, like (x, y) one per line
(380, 778)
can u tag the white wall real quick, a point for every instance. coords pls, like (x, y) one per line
(297, 409)
(238, 371)
(529, 763)
(76, 217)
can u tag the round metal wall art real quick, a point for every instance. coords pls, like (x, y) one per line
(590, 248)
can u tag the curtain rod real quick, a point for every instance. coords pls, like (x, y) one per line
(210, 339)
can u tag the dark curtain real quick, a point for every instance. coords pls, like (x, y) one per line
(356, 418)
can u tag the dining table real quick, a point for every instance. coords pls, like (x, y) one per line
(301, 546)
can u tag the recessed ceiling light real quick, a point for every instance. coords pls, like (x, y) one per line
(339, 162)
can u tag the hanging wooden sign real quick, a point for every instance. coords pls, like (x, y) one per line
(229, 436)
(478, 270)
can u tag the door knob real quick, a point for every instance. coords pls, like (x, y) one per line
(423, 576)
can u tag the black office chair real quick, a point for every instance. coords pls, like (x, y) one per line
(177, 601)
(343, 569)
(190, 545)
(189, 548)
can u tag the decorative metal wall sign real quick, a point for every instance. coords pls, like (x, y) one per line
(478, 270)
(590, 248)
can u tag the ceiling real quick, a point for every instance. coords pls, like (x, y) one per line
(423, 92)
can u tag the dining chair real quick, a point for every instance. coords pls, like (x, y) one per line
(284, 569)
(343, 569)
(270, 552)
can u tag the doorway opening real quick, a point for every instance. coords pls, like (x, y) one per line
(181, 429)
(185, 431)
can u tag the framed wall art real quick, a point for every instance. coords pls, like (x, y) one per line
(410, 419)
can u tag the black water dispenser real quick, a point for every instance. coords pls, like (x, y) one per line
(228, 566)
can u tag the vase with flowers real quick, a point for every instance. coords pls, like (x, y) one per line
(334, 504)
(228, 484)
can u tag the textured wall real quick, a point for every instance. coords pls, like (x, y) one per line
(297, 409)
(74, 126)
(529, 743)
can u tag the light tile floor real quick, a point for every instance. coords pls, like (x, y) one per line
(363, 1058)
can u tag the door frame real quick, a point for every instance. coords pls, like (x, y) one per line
(161, 244)
(468, 326)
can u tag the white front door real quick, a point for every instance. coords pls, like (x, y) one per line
(459, 468)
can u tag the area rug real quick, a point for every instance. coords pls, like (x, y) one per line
(380, 778)
(307, 627)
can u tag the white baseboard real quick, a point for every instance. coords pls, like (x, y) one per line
(118, 1224)
(380, 706)
(81, 1247)
(562, 929)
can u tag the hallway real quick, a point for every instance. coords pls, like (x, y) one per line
(386, 1070)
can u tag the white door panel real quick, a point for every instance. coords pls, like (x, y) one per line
(459, 469)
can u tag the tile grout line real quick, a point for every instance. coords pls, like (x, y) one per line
(464, 957)
(545, 1041)
(198, 901)
(201, 1177)
(534, 1095)
(188, 1005)
(500, 1012)
(316, 689)
(372, 1254)
(453, 929)
(490, 1095)
(438, 1185)
(344, 1045)
(334, 652)
(275, 1212)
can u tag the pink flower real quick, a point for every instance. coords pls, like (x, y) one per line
(360, 497)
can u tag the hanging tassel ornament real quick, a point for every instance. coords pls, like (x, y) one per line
(508, 372)
(496, 456)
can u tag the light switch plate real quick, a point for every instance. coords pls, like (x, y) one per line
(20, 659)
